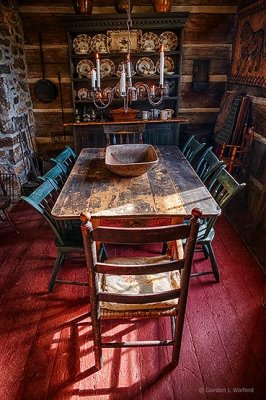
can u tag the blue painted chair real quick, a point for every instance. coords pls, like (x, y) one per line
(68, 237)
(66, 158)
(57, 175)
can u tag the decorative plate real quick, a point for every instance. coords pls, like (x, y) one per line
(169, 41)
(107, 68)
(83, 94)
(150, 42)
(117, 41)
(145, 66)
(99, 43)
(81, 44)
(120, 68)
(169, 66)
(141, 90)
(84, 68)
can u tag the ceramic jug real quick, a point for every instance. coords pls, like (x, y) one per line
(170, 113)
(83, 6)
(162, 5)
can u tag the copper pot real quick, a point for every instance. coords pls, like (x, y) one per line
(83, 6)
(162, 5)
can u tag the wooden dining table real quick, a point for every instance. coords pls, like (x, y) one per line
(169, 189)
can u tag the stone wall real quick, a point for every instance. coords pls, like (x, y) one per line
(17, 130)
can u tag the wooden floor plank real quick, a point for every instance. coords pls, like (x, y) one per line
(46, 339)
(232, 309)
(21, 312)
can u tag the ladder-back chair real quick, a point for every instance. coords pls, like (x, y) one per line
(123, 133)
(68, 238)
(138, 287)
(237, 156)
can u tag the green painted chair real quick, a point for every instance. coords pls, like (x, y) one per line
(57, 175)
(66, 158)
(207, 165)
(68, 237)
(192, 149)
(223, 188)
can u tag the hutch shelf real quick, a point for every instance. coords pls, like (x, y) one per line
(105, 34)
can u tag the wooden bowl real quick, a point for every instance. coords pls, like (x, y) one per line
(130, 159)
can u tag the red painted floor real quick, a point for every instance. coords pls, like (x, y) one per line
(45, 339)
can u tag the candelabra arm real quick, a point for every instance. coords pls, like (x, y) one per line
(151, 97)
(98, 101)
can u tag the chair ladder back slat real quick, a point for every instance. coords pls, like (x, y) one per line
(143, 235)
(145, 269)
(139, 299)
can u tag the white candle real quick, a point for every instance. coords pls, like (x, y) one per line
(123, 82)
(98, 71)
(161, 65)
(153, 90)
(128, 67)
(93, 78)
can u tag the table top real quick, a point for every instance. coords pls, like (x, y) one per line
(170, 189)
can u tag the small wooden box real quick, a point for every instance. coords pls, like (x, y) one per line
(120, 115)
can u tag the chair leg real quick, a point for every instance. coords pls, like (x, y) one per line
(213, 262)
(97, 343)
(10, 221)
(164, 249)
(58, 262)
(205, 251)
(177, 341)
